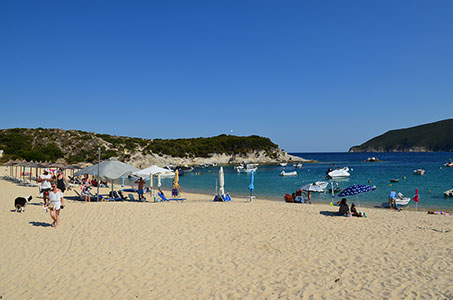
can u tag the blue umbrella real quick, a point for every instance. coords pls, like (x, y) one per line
(251, 185)
(355, 190)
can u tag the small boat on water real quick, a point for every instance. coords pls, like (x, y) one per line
(394, 180)
(283, 164)
(299, 165)
(419, 172)
(372, 159)
(293, 173)
(449, 164)
(400, 200)
(338, 173)
(448, 194)
(248, 168)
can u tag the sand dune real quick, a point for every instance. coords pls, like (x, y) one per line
(204, 250)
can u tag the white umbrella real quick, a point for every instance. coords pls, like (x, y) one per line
(312, 187)
(153, 170)
(110, 169)
(221, 181)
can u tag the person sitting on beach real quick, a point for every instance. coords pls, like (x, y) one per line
(344, 208)
(299, 198)
(392, 199)
(354, 211)
(141, 184)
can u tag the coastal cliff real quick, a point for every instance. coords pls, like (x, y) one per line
(432, 137)
(74, 146)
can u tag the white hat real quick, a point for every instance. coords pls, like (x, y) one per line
(46, 170)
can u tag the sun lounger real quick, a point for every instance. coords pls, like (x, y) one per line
(171, 199)
(131, 197)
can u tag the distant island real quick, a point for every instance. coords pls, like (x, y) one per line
(432, 137)
(75, 146)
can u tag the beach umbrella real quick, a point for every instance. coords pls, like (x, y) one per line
(153, 170)
(221, 181)
(252, 184)
(416, 198)
(312, 187)
(159, 184)
(356, 189)
(109, 169)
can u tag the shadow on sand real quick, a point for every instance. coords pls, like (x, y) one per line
(40, 224)
(329, 213)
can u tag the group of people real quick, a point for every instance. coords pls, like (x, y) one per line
(344, 210)
(298, 197)
(52, 188)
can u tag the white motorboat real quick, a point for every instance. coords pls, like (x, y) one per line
(299, 165)
(322, 184)
(293, 173)
(337, 173)
(248, 168)
(283, 164)
(401, 200)
(419, 172)
(449, 164)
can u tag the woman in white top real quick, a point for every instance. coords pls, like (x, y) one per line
(56, 202)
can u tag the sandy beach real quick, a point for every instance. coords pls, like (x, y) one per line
(204, 250)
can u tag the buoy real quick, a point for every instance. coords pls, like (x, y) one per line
(390, 184)
(430, 191)
(404, 177)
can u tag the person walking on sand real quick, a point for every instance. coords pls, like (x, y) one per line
(45, 180)
(62, 182)
(141, 184)
(56, 203)
(86, 188)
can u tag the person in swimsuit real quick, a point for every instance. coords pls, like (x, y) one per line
(86, 188)
(56, 203)
(62, 182)
(141, 184)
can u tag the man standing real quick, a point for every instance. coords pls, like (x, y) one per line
(392, 199)
(45, 180)
(140, 191)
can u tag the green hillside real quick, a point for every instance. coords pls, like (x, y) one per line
(432, 137)
(79, 146)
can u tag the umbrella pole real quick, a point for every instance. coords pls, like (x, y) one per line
(99, 162)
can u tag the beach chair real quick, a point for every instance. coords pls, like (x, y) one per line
(171, 199)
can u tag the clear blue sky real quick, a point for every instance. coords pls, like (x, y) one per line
(310, 75)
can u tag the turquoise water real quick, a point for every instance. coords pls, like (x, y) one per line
(268, 183)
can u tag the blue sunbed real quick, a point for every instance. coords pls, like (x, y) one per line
(171, 199)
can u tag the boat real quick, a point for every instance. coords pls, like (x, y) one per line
(341, 172)
(283, 164)
(419, 172)
(400, 200)
(299, 165)
(321, 184)
(449, 164)
(372, 159)
(394, 180)
(448, 194)
(248, 168)
(293, 173)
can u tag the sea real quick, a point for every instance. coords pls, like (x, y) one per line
(270, 185)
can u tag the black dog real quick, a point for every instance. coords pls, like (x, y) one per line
(21, 202)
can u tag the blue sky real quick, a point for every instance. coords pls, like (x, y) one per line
(310, 75)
